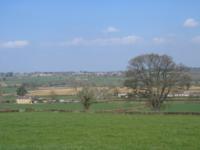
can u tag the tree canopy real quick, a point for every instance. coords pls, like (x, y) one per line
(21, 91)
(86, 96)
(154, 76)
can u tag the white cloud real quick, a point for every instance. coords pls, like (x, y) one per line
(196, 39)
(126, 40)
(111, 29)
(159, 40)
(191, 23)
(14, 44)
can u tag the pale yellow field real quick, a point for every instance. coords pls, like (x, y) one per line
(53, 90)
(195, 88)
(45, 91)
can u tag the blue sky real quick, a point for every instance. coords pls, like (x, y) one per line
(100, 35)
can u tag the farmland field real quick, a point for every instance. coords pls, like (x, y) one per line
(85, 131)
(182, 107)
(65, 80)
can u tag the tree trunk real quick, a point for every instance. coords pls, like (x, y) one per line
(156, 104)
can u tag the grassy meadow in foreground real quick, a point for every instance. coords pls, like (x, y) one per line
(85, 131)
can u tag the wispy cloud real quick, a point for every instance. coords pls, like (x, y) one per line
(14, 44)
(196, 39)
(126, 40)
(191, 23)
(159, 40)
(111, 29)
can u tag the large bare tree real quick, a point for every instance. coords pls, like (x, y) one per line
(154, 76)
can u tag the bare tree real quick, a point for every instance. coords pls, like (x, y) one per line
(115, 91)
(154, 76)
(86, 96)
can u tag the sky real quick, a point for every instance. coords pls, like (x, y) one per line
(100, 35)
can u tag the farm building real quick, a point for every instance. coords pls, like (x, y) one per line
(24, 100)
(122, 95)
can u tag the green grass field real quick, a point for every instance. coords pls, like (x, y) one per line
(89, 131)
(65, 80)
(182, 107)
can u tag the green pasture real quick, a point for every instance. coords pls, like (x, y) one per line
(65, 80)
(90, 131)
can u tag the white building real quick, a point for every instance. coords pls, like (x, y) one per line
(24, 100)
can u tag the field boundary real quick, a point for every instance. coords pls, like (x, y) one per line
(148, 112)
(102, 111)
